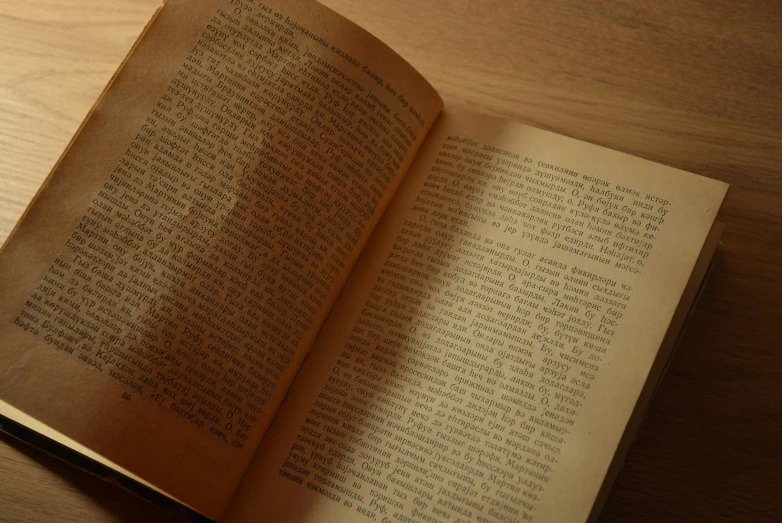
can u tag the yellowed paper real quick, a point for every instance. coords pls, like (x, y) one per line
(160, 294)
(489, 348)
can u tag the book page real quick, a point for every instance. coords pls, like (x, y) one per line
(489, 349)
(161, 292)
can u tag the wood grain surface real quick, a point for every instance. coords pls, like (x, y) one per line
(694, 84)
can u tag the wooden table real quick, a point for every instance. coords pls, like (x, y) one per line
(694, 84)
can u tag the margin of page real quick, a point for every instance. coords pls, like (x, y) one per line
(41, 436)
(83, 124)
(673, 337)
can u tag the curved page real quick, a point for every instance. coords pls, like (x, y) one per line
(162, 290)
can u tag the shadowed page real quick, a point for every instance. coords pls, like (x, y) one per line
(162, 290)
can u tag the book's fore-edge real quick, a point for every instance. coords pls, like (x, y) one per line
(684, 311)
(70, 454)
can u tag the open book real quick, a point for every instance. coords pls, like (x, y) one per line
(272, 279)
